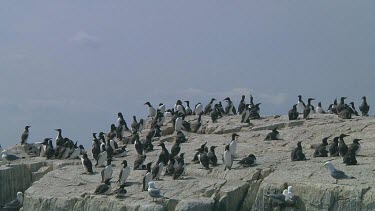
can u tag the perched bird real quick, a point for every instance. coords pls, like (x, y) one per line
(151, 110)
(8, 157)
(14, 204)
(169, 170)
(228, 158)
(215, 113)
(334, 147)
(279, 199)
(157, 169)
(196, 156)
(248, 161)
(124, 173)
(350, 158)
(178, 124)
(120, 192)
(233, 144)
(321, 150)
(245, 114)
(138, 163)
(176, 148)
(134, 125)
(25, 135)
(105, 188)
(212, 156)
(208, 107)
(164, 154)
(274, 135)
(334, 106)
(121, 152)
(300, 103)
(345, 113)
(319, 109)
(241, 105)
(138, 144)
(198, 125)
(161, 108)
(50, 152)
(107, 172)
(188, 109)
(297, 154)
(87, 165)
(198, 109)
(179, 170)
(307, 109)
(336, 174)
(154, 192)
(203, 158)
(293, 114)
(341, 106)
(343, 148)
(355, 146)
(229, 108)
(147, 178)
(353, 110)
(254, 111)
(364, 107)
(43, 147)
(102, 157)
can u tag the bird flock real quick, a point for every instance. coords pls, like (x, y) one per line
(114, 144)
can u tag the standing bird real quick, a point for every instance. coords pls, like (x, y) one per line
(293, 114)
(188, 109)
(164, 154)
(212, 156)
(336, 174)
(215, 113)
(180, 169)
(203, 158)
(307, 109)
(157, 170)
(102, 157)
(208, 108)
(138, 163)
(341, 106)
(241, 105)
(138, 144)
(43, 147)
(50, 152)
(355, 146)
(134, 125)
(8, 157)
(274, 135)
(350, 159)
(59, 142)
(229, 108)
(161, 108)
(228, 158)
(87, 165)
(364, 107)
(107, 172)
(151, 110)
(233, 144)
(300, 103)
(279, 199)
(248, 161)
(343, 148)
(178, 124)
(120, 192)
(14, 204)
(297, 153)
(171, 166)
(334, 147)
(124, 173)
(25, 135)
(199, 123)
(198, 109)
(175, 148)
(245, 117)
(319, 109)
(95, 147)
(154, 192)
(105, 188)
(321, 150)
(147, 178)
(353, 110)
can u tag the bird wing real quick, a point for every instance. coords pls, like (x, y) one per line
(154, 192)
(11, 157)
(88, 164)
(13, 204)
(278, 198)
(337, 174)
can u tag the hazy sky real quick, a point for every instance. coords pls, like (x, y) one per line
(75, 64)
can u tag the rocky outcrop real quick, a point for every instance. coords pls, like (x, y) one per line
(215, 189)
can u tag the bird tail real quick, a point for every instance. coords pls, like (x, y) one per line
(352, 177)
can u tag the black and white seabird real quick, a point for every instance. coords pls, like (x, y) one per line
(151, 110)
(273, 135)
(134, 125)
(254, 111)
(364, 107)
(138, 144)
(180, 169)
(25, 135)
(75, 151)
(87, 165)
(350, 158)
(121, 152)
(14, 204)
(124, 173)
(233, 144)
(208, 108)
(212, 156)
(95, 147)
(147, 178)
(169, 169)
(215, 113)
(43, 147)
(245, 114)
(175, 148)
(198, 109)
(178, 123)
(203, 158)
(293, 113)
(228, 158)
(154, 192)
(355, 146)
(343, 148)
(105, 188)
(138, 163)
(319, 109)
(164, 154)
(354, 111)
(336, 174)
(199, 123)
(334, 147)
(300, 103)
(297, 153)
(157, 169)
(321, 150)
(161, 108)
(188, 109)
(229, 108)
(241, 105)
(141, 122)
(102, 157)
(341, 106)
(248, 161)
(307, 110)
(107, 172)
(50, 152)
(196, 156)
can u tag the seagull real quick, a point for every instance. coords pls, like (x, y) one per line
(154, 192)
(8, 157)
(278, 198)
(336, 174)
(16, 203)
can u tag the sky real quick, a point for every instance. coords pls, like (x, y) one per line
(75, 64)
